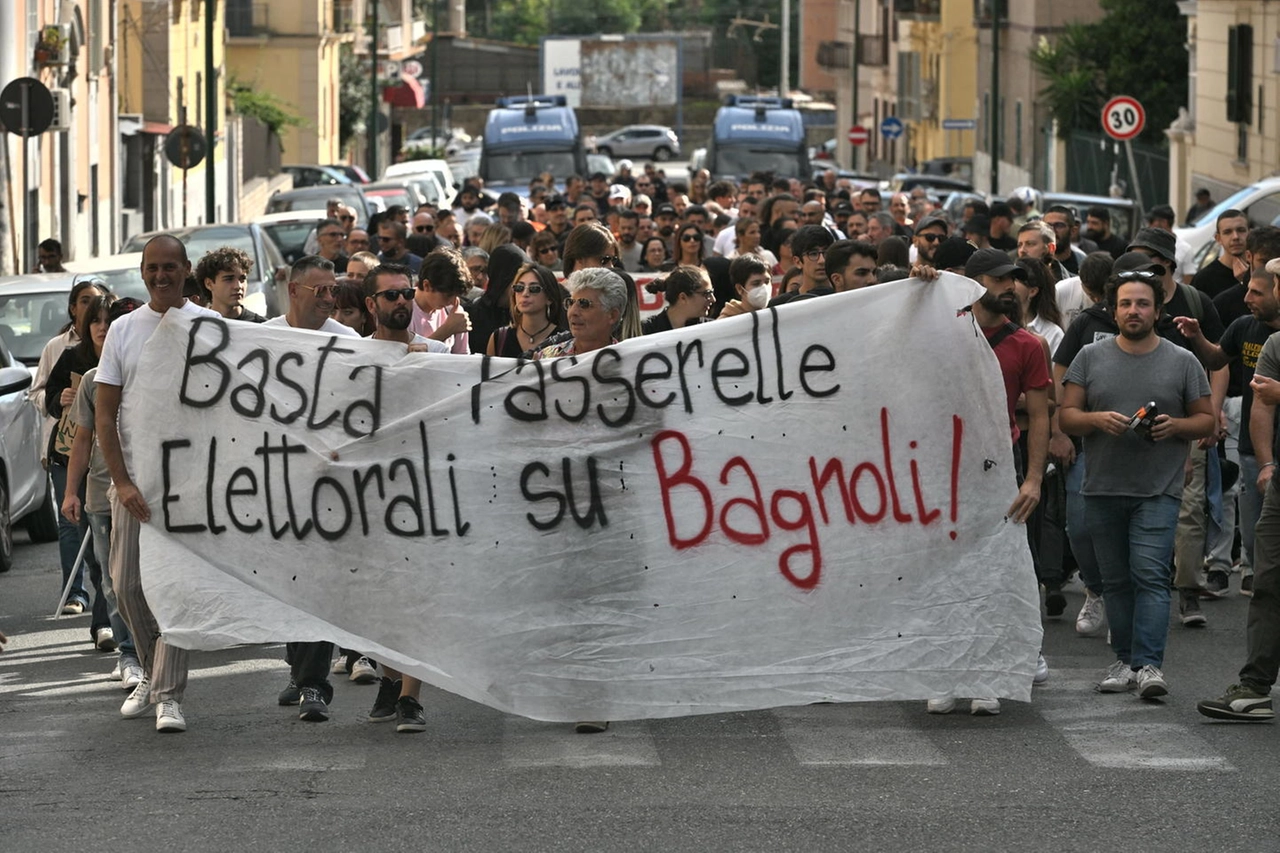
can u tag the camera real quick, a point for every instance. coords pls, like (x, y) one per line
(1143, 420)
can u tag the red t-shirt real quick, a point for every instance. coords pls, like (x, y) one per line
(1023, 366)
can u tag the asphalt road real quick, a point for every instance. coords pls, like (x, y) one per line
(1074, 770)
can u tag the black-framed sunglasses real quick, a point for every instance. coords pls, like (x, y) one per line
(690, 238)
(405, 293)
(535, 289)
(424, 229)
(583, 303)
(610, 261)
(932, 238)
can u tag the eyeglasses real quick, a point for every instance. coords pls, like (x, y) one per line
(535, 289)
(382, 239)
(584, 304)
(321, 290)
(347, 218)
(690, 238)
(814, 254)
(931, 238)
(424, 229)
(405, 293)
(707, 294)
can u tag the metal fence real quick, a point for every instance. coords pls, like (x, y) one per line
(1095, 161)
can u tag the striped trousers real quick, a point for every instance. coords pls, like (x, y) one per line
(165, 664)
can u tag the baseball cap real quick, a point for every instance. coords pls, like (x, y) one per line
(553, 202)
(624, 164)
(953, 252)
(992, 262)
(664, 210)
(843, 207)
(1158, 240)
(1136, 262)
(619, 191)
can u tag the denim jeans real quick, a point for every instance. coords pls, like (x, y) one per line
(70, 537)
(1133, 541)
(1078, 529)
(1262, 630)
(100, 524)
(1250, 509)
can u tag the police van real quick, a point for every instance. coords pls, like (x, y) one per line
(526, 135)
(758, 134)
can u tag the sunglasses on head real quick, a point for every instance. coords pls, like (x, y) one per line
(405, 293)
(1139, 275)
(532, 288)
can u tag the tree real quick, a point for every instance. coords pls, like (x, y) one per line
(1073, 92)
(354, 98)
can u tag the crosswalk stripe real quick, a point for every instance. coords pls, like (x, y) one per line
(827, 735)
(1145, 746)
(530, 743)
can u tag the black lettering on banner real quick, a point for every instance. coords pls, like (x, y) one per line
(460, 527)
(486, 364)
(234, 492)
(361, 482)
(595, 507)
(373, 407)
(209, 358)
(289, 383)
(166, 450)
(755, 346)
(683, 354)
(783, 393)
(214, 527)
(741, 371)
(436, 529)
(828, 364)
(341, 530)
(556, 364)
(534, 497)
(266, 451)
(414, 503)
(539, 393)
(627, 392)
(330, 347)
(256, 392)
(643, 375)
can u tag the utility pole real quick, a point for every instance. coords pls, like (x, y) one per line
(995, 96)
(435, 69)
(857, 57)
(373, 93)
(784, 73)
(210, 113)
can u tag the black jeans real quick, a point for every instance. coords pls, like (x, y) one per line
(309, 665)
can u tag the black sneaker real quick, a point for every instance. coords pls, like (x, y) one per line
(1189, 610)
(1239, 703)
(409, 716)
(384, 707)
(291, 695)
(1054, 601)
(313, 708)
(1246, 585)
(1217, 584)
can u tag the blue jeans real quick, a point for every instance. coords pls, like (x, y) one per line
(1078, 529)
(100, 524)
(70, 537)
(1133, 541)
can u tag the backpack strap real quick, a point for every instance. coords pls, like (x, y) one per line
(1005, 331)
(1195, 300)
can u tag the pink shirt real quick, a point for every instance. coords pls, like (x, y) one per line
(424, 323)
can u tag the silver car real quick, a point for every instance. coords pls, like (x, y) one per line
(646, 141)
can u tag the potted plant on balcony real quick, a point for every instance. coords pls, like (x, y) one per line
(50, 47)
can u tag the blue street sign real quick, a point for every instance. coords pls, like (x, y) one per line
(959, 124)
(891, 127)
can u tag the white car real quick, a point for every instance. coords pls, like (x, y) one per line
(33, 309)
(438, 169)
(122, 274)
(293, 230)
(1260, 202)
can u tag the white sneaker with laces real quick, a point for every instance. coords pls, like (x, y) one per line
(1042, 670)
(363, 671)
(1151, 682)
(169, 717)
(339, 666)
(1119, 678)
(1092, 620)
(984, 707)
(104, 640)
(132, 675)
(116, 674)
(139, 700)
(941, 706)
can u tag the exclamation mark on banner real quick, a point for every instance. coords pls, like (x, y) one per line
(957, 434)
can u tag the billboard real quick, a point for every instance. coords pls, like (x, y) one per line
(612, 71)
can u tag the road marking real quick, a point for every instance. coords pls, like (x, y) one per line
(1141, 746)
(291, 760)
(828, 735)
(530, 743)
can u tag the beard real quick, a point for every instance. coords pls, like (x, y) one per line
(667, 230)
(397, 320)
(1141, 333)
(1006, 305)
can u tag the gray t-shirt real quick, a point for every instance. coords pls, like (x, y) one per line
(99, 479)
(1269, 366)
(1117, 381)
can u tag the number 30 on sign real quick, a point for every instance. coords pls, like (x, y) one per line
(1123, 118)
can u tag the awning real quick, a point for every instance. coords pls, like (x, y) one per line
(409, 93)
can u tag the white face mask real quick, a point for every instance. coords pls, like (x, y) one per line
(758, 296)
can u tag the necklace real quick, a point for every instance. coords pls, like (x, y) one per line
(534, 336)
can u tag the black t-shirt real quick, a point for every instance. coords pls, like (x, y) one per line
(1231, 307)
(1214, 279)
(1210, 323)
(1113, 245)
(1242, 342)
(1070, 263)
(1007, 243)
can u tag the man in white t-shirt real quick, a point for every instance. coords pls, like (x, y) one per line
(388, 296)
(312, 286)
(165, 269)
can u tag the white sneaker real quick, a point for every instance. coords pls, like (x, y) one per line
(984, 707)
(339, 666)
(1119, 678)
(116, 673)
(1151, 682)
(941, 706)
(133, 674)
(169, 717)
(139, 700)
(104, 639)
(1092, 620)
(363, 671)
(1042, 670)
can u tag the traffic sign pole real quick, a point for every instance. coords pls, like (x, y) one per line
(30, 213)
(1122, 119)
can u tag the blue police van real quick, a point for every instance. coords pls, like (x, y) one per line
(526, 135)
(758, 134)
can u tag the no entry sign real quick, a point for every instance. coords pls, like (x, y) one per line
(859, 135)
(1123, 118)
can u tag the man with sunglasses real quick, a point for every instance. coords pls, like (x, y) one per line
(329, 238)
(557, 218)
(808, 249)
(392, 239)
(388, 294)
(931, 231)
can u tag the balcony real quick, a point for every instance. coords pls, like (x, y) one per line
(918, 10)
(247, 18)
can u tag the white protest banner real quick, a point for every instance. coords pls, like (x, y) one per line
(794, 505)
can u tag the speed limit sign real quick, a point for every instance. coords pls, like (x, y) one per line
(1123, 118)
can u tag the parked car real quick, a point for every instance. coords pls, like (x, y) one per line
(311, 198)
(465, 164)
(441, 170)
(452, 140)
(291, 230)
(905, 182)
(390, 193)
(33, 309)
(352, 171)
(1260, 202)
(647, 141)
(122, 274)
(315, 176)
(267, 291)
(952, 167)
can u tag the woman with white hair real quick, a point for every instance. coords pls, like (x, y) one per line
(597, 299)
